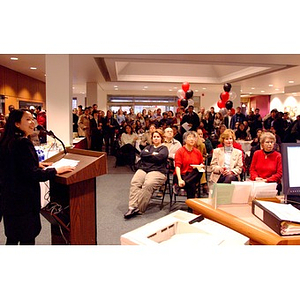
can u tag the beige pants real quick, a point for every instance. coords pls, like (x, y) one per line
(142, 187)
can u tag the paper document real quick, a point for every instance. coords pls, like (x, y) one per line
(242, 191)
(186, 126)
(64, 162)
(200, 168)
(286, 212)
(222, 193)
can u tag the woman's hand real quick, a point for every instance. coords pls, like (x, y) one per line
(181, 183)
(260, 179)
(64, 169)
(44, 165)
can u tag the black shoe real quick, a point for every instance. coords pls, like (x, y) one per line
(131, 212)
(176, 189)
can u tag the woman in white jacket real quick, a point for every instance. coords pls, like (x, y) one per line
(227, 163)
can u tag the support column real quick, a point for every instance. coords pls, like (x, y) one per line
(59, 96)
(94, 94)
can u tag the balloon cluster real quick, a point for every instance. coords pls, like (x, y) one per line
(185, 95)
(226, 97)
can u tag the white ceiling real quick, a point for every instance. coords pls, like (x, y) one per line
(255, 74)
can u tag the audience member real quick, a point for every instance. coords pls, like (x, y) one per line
(266, 163)
(187, 176)
(150, 175)
(84, 126)
(110, 125)
(190, 121)
(227, 162)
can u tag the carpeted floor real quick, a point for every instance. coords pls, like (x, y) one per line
(112, 203)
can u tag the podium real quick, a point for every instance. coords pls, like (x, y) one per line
(76, 192)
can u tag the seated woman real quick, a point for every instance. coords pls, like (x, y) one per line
(150, 175)
(242, 133)
(266, 163)
(186, 176)
(227, 163)
(127, 149)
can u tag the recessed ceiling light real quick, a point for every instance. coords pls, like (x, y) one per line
(145, 87)
(196, 91)
(270, 85)
(33, 68)
(252, 88)
(170, 90)
(276, 89)
(262, 91)
(291, 81)
(14, 58)
(204, 88)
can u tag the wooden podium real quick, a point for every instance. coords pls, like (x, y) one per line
(76, 192)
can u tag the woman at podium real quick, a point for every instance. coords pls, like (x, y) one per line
(150, 175)
(20, 174)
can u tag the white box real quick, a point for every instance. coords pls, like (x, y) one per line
(174, 229)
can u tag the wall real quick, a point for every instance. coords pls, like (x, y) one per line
(262, 102)
(286, 103)
(18, 87)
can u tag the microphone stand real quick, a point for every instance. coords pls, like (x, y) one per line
(55, 137)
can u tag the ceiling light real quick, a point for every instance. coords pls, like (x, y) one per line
(262, 91)
(33, 68)
(291, 81)
(145, 87)
(14, 58)
(270, 85)
(204, 88)
(252, 88)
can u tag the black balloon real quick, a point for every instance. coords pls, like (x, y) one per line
(229, 104)
(184, 103)
(189, 94)
(227, 87)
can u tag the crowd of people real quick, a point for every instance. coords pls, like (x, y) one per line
(162, 141)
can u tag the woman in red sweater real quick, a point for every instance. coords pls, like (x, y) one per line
(266, 163)
(186, 176)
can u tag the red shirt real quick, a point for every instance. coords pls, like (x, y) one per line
(266, 166)
(184, 159)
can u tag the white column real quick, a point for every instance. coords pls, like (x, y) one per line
(59, 96)
(91, 93)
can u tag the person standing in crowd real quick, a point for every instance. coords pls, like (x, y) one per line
(186, 176)
(256, 123)
(190, 120)
(266, 163)
(10, 109)
(120, 116)
(269, 119)
(228, 119)
(96, 132)
(20, 174)
(238, 117)
(84, 126)
(42, 121)
(151, 174)
(75, 121)
(227, 161)
(110, 125)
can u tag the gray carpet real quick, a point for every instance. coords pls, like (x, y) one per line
(112, 203)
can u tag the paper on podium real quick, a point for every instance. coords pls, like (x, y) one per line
(64, 162)
(242, 191)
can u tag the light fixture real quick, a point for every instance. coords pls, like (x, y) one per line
(253, 88)
(291, 81)
(262, 91)
(14, 58)
(270, 85)
(33, 68)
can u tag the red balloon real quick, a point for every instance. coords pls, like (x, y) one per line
(185, 86)
(221, 104)
(233, 111)
(225, 96)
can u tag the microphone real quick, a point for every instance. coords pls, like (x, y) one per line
(51, 133)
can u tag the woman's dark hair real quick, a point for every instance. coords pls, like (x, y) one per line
(10, 129)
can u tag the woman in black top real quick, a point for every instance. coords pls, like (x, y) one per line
(20, 174)
(150, 175)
